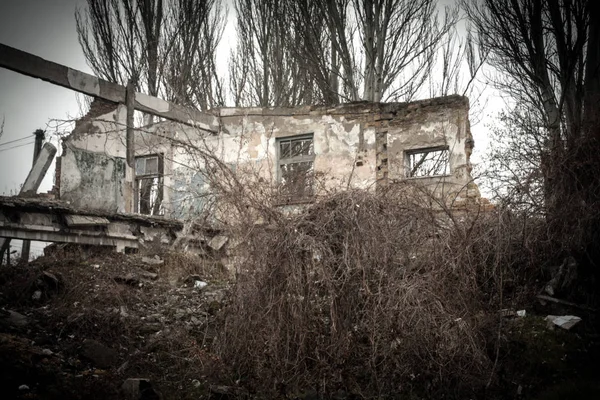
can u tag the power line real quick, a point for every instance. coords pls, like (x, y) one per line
(14, 147)
(16, 140)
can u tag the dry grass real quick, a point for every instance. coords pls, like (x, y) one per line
(368, 293)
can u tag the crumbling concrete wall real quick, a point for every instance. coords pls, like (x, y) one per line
(92, 165)
(358, 145)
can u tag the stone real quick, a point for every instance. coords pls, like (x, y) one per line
(564, 321)
(100, 355)
(123, 312)
(36, 295)
(148, 275)
(150, 328)
(23, 387)
(200, 284)
(156, 260)
(13, 318)
(217, 242)
(47, 352)
(139, 389)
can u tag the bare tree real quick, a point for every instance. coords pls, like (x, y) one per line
(548, 55)
(399, 39)
(194, 30)
(145, 41)
(263, 70)
(349, 50)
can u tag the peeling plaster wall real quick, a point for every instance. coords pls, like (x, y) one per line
(92, 180)
(358, 145)
(93, 167)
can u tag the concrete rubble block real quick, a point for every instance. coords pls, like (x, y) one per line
(148, 275)
(85, 220)
(563, 321)
(217, 242)
(13, 318)
(152, 260)
(200, 284)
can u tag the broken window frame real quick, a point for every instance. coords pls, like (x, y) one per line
(307, 193)
(155, 206)
(411, 171)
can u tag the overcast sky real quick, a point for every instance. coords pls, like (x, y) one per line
(46, 28)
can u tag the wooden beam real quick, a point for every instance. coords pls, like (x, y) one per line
(37, 67)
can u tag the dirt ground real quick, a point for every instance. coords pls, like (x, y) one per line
(78, 323)
(90, 324)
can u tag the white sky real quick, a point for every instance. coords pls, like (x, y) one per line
(47, 29)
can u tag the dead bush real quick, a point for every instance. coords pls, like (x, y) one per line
(368, 293)
(180, 266)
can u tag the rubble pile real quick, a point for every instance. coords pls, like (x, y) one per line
(84, 324)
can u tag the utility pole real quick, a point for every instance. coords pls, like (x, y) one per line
(39, 140)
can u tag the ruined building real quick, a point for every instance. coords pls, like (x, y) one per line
(305, 151)
(121, 186)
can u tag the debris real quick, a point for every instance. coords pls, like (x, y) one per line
(36, 295)
(200, 284)
(100, 355)
(23, 387)
(51, 280)
(148, 275)
(564, 321)
(543, 297)
(506, 313)
(217, 242)
(228, 391)
(122, 367)
(190, 279)
(139, 388)
(156, 260)
(13, 318)
(47, 352)
(85, 220)
(564, 277)
(128, 279)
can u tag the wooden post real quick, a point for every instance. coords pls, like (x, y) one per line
(57, 74)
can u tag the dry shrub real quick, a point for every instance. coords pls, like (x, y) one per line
(369, 293)
(180, 266)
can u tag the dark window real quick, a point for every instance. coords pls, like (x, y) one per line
(149, 185)
(296, 158)
(427, 162)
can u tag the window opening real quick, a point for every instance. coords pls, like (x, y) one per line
(296, 158)
(149, 185)
(427, 162)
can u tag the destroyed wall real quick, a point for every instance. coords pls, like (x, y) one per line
(92, 168)
(358, 145)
